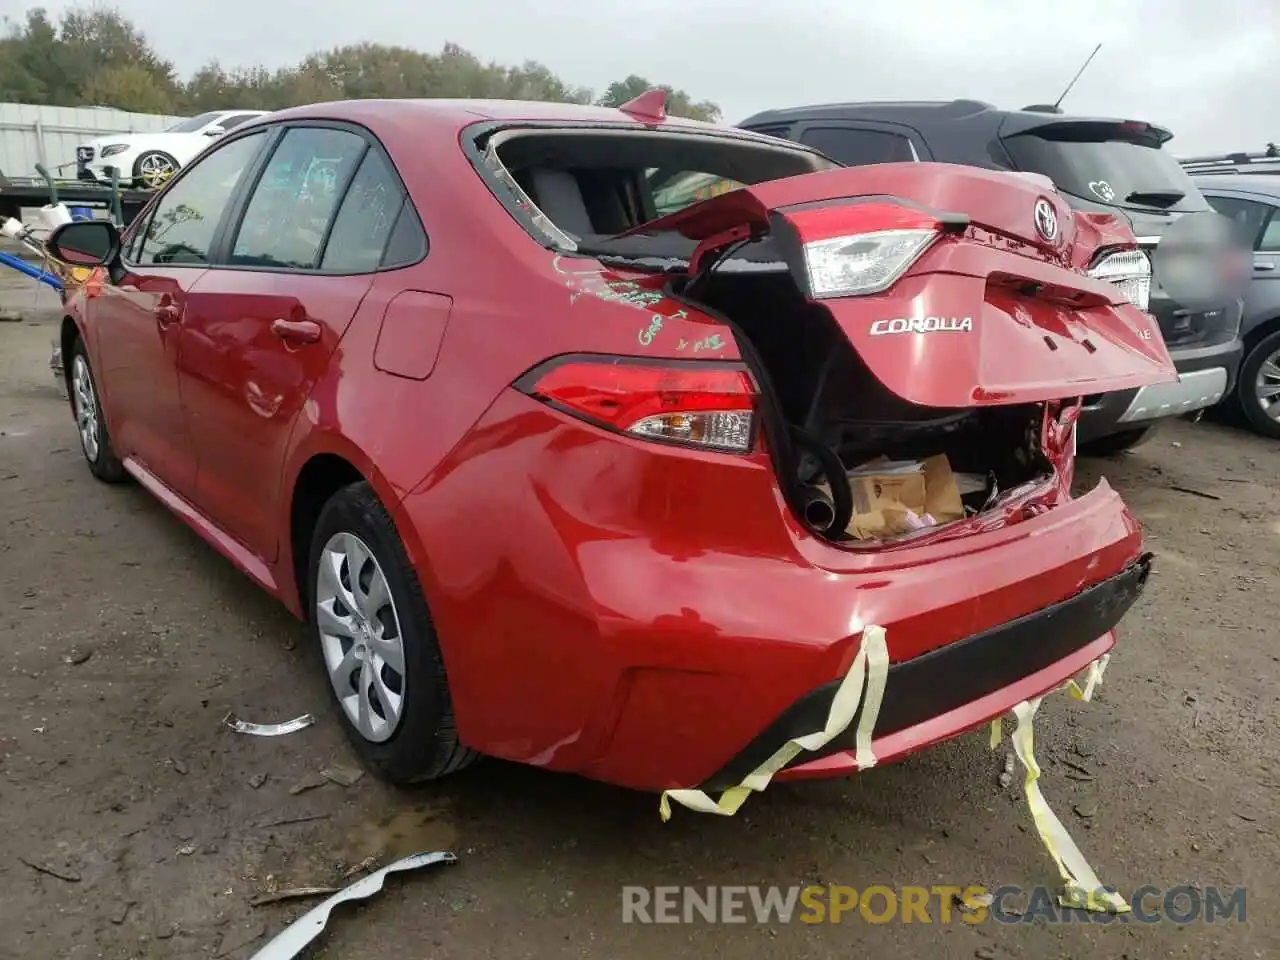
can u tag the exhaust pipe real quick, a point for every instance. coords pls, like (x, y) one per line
(819, 512)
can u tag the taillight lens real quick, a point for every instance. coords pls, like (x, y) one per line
(1130, 270)
(699, 404)
(860, 248)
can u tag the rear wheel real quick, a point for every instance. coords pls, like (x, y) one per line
(1114, 444)
(1258, 386)
(95, 441)
(378, 644)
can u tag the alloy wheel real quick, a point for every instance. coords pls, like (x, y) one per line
(155, 170)
(1266, 385)
(86, 408)
(360, 636)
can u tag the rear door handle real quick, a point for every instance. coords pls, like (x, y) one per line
(296, 331)
(1264, 265)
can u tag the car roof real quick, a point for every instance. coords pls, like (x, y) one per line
(1262, 184)
(456, 114)
(926, 113)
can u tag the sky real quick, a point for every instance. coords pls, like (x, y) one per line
(1206, 69)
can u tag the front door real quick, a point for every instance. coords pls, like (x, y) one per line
(139, 314)
(267, 320)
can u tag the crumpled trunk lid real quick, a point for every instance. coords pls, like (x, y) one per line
(996, 310)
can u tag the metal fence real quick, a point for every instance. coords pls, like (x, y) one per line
(49, 135)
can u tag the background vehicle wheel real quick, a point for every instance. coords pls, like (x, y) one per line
(153, 169)
(378, 645)
(1114, 444)
(1258, 386)
(95, 441)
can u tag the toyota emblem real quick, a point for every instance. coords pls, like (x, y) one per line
(1046, 221)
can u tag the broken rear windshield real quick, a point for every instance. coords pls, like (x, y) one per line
(1118, 173)
(577, 188)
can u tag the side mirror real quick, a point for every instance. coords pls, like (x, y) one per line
(85, 243)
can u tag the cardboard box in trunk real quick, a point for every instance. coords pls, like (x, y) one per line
(894, 498)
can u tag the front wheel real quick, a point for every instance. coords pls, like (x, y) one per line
(378, 644)
(153, 169)
(1258, 386)
(95, 440)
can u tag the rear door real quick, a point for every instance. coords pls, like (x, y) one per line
(292, 269)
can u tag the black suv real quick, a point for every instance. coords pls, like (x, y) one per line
(1099, 165)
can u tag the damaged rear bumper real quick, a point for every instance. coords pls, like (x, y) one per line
(947, 691)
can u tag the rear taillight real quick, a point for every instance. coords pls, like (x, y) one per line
(698, 404)
(1130, 270)
(855, 249)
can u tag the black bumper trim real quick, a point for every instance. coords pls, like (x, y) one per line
(951, 676)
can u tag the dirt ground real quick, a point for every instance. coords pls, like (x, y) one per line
(128, 641)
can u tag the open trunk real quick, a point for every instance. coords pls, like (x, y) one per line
(892, 315)
(936, 393)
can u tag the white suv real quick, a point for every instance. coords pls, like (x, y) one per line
(148, 160)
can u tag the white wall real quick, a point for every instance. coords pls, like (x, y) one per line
(30, 134)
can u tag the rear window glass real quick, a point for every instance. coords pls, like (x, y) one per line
(1117, 173)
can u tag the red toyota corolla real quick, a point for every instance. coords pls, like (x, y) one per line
(564, 466)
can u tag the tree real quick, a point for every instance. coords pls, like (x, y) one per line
(679, 103)
(129, 87)
(96, 56)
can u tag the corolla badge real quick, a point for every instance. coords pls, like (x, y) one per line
(922, 325)
(1046, 221)
(1102, 190)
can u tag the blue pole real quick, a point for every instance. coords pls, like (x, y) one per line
(34, 272)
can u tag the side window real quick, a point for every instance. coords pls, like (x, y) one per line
(1247, 215)
(291, 207)
(186, 216)
(855, 148)
(1270, 242)
(235, 120)
(365, 219)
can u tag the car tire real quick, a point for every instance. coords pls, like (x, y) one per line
(86, 404)
(378, 644)
(1114, 444)
(1264, 356)
(153, 169)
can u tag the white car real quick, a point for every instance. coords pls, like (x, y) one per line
(148, 160)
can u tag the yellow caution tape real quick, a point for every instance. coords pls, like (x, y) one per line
(1092, 680)
(870, 668)
(1083, 889)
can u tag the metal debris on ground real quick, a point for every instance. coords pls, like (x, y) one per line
(77, 657)
(257, 780)
(341, 775)
(269, 729)
(293, 938)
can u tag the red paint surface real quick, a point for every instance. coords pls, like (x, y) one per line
(606, 605)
